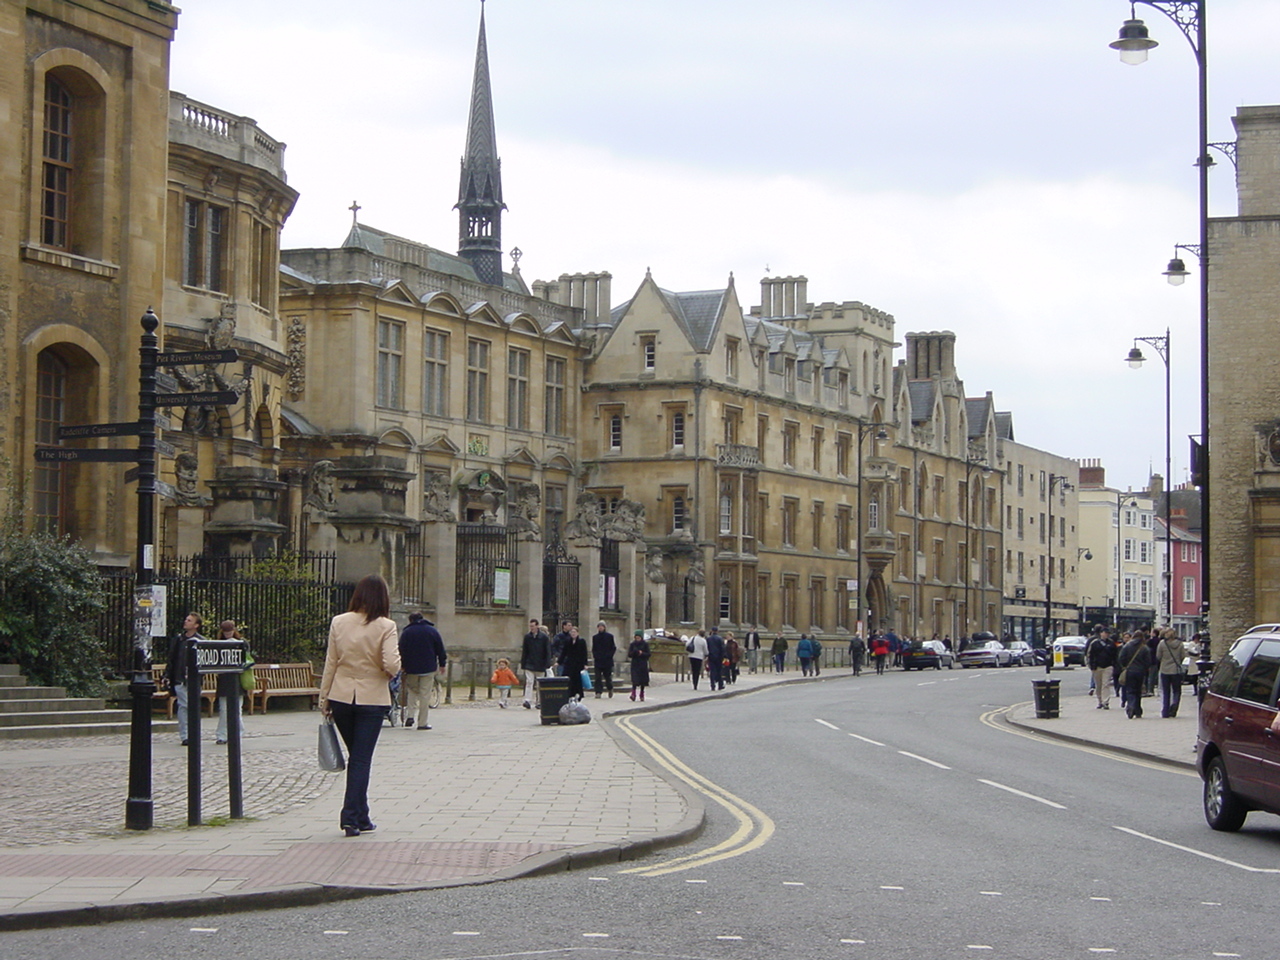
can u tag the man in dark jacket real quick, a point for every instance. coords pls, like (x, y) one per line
(603, 649)
(422, 657)
(1134, 661)
(751, 645)
(715, 660)
(535, 661)
(557, 646)
(1100, 657)
(175, 673)
(573, 661)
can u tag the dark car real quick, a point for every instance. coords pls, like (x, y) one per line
(927, 653)
(1238, 741)
(1072, 649)
(1023, 654)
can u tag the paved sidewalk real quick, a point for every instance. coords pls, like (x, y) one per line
(487, 794)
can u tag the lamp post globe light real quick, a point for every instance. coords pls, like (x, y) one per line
(1133, 45)
(1136, 359)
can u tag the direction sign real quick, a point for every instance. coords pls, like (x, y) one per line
(163, 422)
(99, 430)
(64, 454)
(197, 356)
(165, 448)
(131, 474)
(211, 398)
(166, 490)
(221, 656)
(166, 382)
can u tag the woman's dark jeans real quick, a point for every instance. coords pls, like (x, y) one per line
(359, 725)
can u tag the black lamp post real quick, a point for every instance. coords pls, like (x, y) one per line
(1133, 45)
(863, 429)
(1063, 485)
(1136, 359)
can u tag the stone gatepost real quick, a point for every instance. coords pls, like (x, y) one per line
(369, 516)
(244, 519)
(652, 590)
(529, 579)
(439, 541)
(587, 553)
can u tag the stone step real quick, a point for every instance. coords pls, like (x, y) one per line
(31, 693)
(51, 705)
(54, 731)
(9, 670)
(68, 717)
(10, 680)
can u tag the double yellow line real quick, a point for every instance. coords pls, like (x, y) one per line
(754, 827)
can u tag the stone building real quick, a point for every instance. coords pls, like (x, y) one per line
(1043, 548)
(1119, 586)
(1244, 427)
(84, 108)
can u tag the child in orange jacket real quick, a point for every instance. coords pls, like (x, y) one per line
(504, 680)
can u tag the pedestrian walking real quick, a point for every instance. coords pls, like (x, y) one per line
(504, 680)
(573, 661)
(557, 647)
(1100, 658)
(732, 657)
(535, 661)
(361, 659)
(1135, 661)
(804, 653)
(1169, 656)
(816, 644)
(857, 650)
(638, 653)
(603, 650)
(715, 660)
(751, 647)
(230, 692)
(423, 658)
(696, 647)
(175, 672)
(895, 647)
(879, 652)
(779, 653)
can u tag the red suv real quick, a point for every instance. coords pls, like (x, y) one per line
(1238, 742)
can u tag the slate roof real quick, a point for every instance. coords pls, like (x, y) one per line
(921, 394)
(698, 312)
(1004, 424)
(975, 411)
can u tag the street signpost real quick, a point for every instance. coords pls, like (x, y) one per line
(209, 398)
(196, 356)
(67, 454)
(85, 431)
(166, 382)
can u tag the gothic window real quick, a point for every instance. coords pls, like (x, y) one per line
(435, 373)
(55, 205)
(51, 398)
(555, 394)
(518, 389)
(478, 381)
(390, 363)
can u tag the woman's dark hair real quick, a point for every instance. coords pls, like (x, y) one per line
(371, 598)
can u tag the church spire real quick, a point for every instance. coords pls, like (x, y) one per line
(480, 203)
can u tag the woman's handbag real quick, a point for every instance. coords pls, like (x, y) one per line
(248, 682)
(329, 752)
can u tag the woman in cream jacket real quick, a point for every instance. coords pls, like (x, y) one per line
(362, 657)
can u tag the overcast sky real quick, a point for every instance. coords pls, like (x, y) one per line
(987, 167)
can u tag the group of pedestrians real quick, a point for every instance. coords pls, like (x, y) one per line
(1134, 665)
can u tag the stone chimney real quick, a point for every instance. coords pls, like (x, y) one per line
(1258, 160)
(931, 355)
(784, 297)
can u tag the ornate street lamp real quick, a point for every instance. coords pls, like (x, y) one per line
(1133, 45)
(1136, 359)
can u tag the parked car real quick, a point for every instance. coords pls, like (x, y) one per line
(927, 653)
(1072, 649)
(1238, 741)
(1024, 655)
(986, 653)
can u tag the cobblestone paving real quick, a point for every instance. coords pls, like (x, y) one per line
(60, 802)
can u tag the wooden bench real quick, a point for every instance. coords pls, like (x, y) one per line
(208, 690)
(284, 680)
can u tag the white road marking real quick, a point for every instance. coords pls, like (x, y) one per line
(892, 888)
(1021, 793)
(932, 763)
(853, 941)
(792, 883)
(727, 937)
(1101, 899)
(980, 946)
(991, 893)
(695, 881)
(1210, 903)
(595, 935)
(874, 743)
(203, 930)
(1198, 853)
(466, 933)
(825, 724)
(599, 879)
(1102, 949)
(1217, 954)
(926, 683)
(336, 933)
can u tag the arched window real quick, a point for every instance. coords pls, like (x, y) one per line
(873, 512)
(50, 479)
(57, 171)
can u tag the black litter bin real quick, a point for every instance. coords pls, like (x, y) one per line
(1046, 692)
(553, 693)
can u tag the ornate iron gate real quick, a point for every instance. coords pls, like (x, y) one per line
(560, 584)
